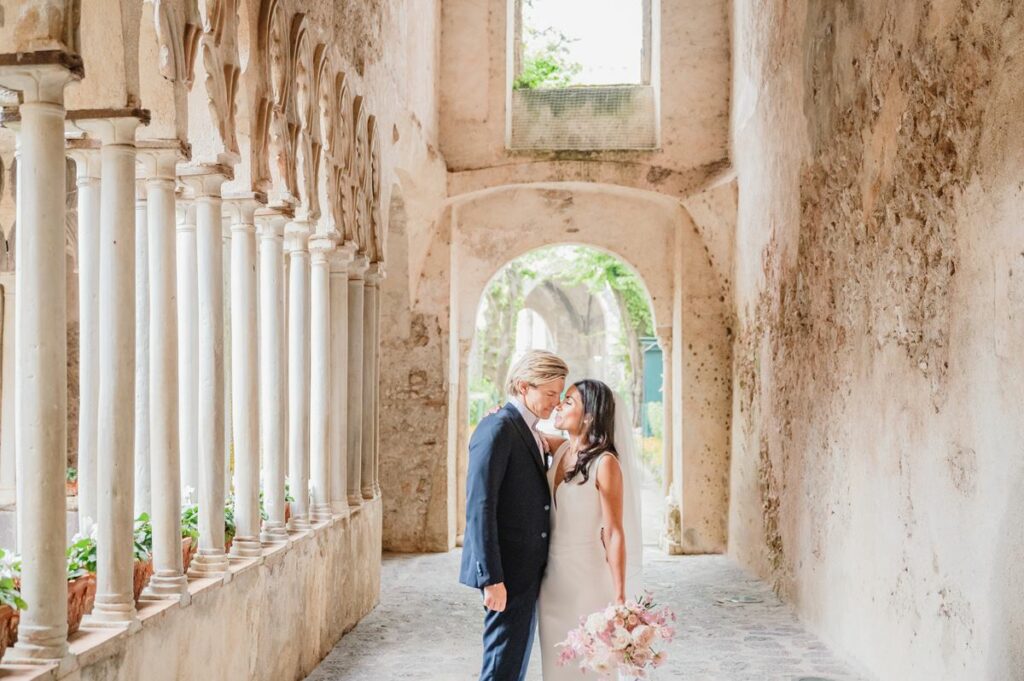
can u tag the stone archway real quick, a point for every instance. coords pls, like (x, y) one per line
(580, 323)
(429, 327)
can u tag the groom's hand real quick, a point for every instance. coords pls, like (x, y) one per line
(495, 597)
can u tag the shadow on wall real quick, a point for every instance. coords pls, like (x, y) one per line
(1007, 628)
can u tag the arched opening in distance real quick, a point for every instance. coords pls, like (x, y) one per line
(591, 308)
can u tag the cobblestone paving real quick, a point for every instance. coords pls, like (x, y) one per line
(427, 627)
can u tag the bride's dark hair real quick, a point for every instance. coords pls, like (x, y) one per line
(598, 427)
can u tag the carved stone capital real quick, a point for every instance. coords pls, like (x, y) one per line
(357, 270)
(341, 258)
(270, 223)
(110, 126)
(40, 76)
(86, 155)
(206, 180)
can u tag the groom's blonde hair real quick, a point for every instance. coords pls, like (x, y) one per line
(534, 368)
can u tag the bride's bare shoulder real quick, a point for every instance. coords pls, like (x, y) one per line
(609, 471)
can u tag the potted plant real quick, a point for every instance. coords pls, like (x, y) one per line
(229, 524)
(71, 482)
(142, 549)
(81, 568)
(288, 499)
(11, 603)
(189, 534)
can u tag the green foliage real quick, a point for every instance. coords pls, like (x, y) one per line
(596, 269)
(190, 523)
(288, 491)
(229, 519)
(546, 62)
(483, 395)
(143, 546)
(263, 509)
(81, 555)
(10, 575)
(72, 474)
(656, 418)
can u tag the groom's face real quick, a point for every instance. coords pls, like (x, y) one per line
(542, 399)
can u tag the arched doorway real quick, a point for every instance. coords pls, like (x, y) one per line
(594, 310)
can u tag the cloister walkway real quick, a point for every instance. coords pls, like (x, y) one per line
(426, 627)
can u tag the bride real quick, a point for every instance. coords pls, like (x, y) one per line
(595, 553)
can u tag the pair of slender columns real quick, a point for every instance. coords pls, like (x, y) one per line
(320, 379)
(272, 373)
(187, 287)
(371, 380)
(142, 470)
(245, 424)
(205, 183)
(87, 165)
(168, 580)
(339, 335)
(356, 371)
(297, 235)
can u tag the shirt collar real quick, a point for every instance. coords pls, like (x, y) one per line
(528, 416)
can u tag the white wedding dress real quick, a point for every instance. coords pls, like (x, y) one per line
(577, 581)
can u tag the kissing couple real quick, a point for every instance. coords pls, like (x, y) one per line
(552, 523)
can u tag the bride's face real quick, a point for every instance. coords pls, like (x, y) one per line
(569, 414)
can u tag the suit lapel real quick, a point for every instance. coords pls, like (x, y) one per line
(528, 439)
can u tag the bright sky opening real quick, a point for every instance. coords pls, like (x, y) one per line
(607, 36)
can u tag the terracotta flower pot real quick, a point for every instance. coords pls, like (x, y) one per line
(287, 511)
(71, 486)
(188, 551)
(228, 541)
(8, 627)
(143, 571)
(81, 595)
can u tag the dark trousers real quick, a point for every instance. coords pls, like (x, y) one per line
(508, 637)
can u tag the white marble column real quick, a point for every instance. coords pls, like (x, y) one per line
(376, 380)
(665, 344)
(168, 580)
(271, 374)
(320, 378)
(245, 435)
(206, 183)
(370, 296)
(340, 260)
(142, 494)
(228, 383)
(41, 357)
(297, 236)
(87, 162)
(115, 602)
(187, 283)
(356, 338)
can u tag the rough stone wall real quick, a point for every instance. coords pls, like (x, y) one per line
(877, 442)
(416, 476)
(694, 51)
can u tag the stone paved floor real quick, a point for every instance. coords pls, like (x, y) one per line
(427, 627)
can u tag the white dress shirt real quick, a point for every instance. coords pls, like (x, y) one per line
(531, 422)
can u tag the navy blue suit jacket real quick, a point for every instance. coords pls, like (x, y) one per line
(508, 505)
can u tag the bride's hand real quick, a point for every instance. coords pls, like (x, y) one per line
(620, 600)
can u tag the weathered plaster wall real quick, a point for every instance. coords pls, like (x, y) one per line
(694, 45)
(273, 621)
(878, 450)
(423, 429)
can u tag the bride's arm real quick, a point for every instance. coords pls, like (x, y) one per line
(609, 485)
(553, 441)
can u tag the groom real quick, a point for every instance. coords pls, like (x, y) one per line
(508, 506)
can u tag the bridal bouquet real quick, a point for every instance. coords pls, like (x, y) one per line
(621, 638)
